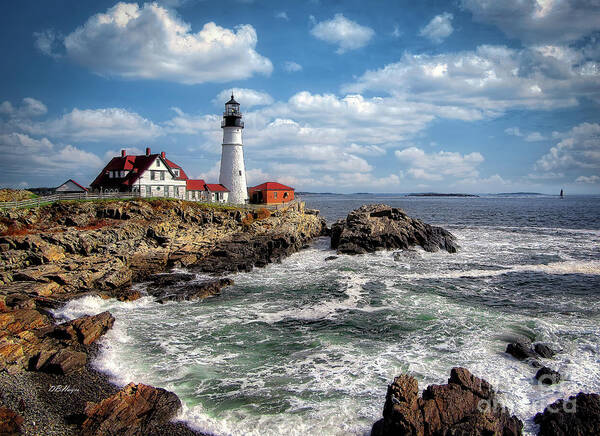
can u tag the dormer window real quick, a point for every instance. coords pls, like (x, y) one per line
(157, 162)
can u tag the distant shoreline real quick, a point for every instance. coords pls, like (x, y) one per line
(436, 194)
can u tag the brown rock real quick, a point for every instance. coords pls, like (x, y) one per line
(64, 361)
(380, 227)
(577, 416)
(86, 329)
(20, 320)
(194, 291)
(467, 405)
(10, 422)
(129, 295)
(134, 410)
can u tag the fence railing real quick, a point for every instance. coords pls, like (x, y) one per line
(39, 201)
(47, 199)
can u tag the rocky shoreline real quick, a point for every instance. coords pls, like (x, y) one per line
(52, 254)
(67, 250)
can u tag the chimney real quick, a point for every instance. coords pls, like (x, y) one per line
(163, 155)
(123, 153)
(147, 151)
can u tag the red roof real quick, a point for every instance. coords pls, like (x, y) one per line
(271, 186)
(195, 185)
(71, 180)
(182, 174)
(215, 187)
(136, 165)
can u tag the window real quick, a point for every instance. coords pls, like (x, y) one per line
(158, 188)
(240, 172)
(157, 162)
(110, 174)
(176, 173)
(176, 191)
(285, 195)
(275, 194)
(148, 190)
(162, 175)
(152, 175)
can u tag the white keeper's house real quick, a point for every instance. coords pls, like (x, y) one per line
(153, 175)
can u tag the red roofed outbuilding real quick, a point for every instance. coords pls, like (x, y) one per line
(217, 192)
(71, 186)
(270, 193)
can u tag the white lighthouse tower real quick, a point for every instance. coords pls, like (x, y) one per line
(233, 171)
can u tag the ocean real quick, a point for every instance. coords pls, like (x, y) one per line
(308, 346)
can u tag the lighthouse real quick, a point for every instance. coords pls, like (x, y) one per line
(233, 172)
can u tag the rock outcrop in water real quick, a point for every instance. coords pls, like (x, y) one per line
(134, 410)
(380, 227)
(467, 405)
(577, 416)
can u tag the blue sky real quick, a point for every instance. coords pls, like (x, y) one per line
(339, 96)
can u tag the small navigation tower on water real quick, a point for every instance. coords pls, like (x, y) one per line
(562, 195)
(233, 172)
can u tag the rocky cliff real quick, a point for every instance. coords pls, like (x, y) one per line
(56, 252)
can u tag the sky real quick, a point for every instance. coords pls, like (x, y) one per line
(475, 96)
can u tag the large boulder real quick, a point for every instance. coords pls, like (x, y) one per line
(65, 361)
(194, 291)
(379, 227)
(547, 376)
(467, 405)
(134, 410)
(577, 416)
(86, 329)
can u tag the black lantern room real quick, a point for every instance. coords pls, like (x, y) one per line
(232, 117)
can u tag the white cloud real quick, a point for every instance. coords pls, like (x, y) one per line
(29, 107)
(513, 131)
(438, 166)
(530, 137)
(192, 124)
(367, 150)
(534, 137)
(439, 28)
(490, 80)
(48, 42)
(587, 179)
(44, 159)
(151, 42)
(535, 21)
(282, 16)
(109, 154)
(247, 98)
(578, 150)
(111, 124)
(292, 67)
(345, 33)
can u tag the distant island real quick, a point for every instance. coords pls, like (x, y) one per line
(437, 194)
